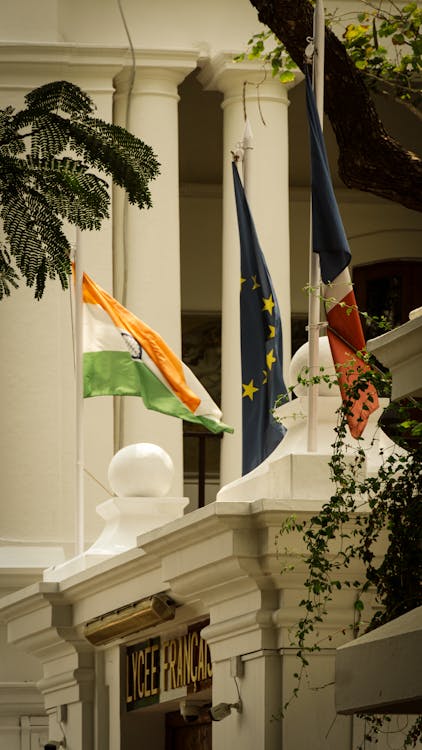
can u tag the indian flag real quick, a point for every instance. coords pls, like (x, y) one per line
(125, 357)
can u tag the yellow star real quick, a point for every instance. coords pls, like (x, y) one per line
(242, 281)
(272, 332)
(268, 304)
(249, 390)
(265, 380)
(255, 283)
(270, 359)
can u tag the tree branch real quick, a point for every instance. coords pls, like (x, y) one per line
(369, 159)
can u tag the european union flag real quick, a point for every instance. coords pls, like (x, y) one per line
(261, 343)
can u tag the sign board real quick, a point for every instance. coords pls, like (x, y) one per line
(157, 666)
(142, 674)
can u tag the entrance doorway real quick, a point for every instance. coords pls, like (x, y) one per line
(184, 736)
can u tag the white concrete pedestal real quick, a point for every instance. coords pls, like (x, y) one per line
(128, 517)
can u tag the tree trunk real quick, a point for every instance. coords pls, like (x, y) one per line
(369, 158)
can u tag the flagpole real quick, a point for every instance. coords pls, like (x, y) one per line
(314, 302)
(247, 145)
(80, 504)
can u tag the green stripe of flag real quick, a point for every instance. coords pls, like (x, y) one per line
(108, 373)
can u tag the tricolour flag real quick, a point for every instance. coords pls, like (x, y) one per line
(345, 332)
(125, 357)
(261, 343)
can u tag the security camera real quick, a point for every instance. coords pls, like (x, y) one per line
(222, 710)
(190, 710)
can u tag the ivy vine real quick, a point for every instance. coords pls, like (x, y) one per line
(362, 509)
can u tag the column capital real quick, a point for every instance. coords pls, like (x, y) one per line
(163, 68)
(222, 73)
(251, 632)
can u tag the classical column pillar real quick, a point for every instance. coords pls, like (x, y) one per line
(146, 243)
(266, 102)
(39, 452)
(41, 623)
(246, 662)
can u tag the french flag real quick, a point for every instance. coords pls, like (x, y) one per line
(345, 332)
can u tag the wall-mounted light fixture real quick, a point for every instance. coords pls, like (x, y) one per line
(192, 710)
(127, 620)
(223, 710)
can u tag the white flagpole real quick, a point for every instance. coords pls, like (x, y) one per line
(247, 145)
(80, 504)
(314, 303)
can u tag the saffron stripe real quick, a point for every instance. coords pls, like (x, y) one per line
(165, 359)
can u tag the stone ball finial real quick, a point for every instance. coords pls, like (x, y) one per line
(141, 470)
(300, 363)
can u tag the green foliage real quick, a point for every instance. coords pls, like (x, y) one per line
(282, 65)
(344, 537)
(8, 276)
(50, 155)
(414, 734)
(392, 67)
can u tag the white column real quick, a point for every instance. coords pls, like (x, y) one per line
(268, 195)
(38, 448)
(146, 243)
(244, 650)
(44, 630)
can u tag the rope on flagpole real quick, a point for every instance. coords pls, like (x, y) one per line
(240, 154)
(315, 51)
(247, 146)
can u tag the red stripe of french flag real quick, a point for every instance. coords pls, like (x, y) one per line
(346, 339)
(330, 242)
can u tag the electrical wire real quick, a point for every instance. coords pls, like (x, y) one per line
(131, 83)
(122, 293)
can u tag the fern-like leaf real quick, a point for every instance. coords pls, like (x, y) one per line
(8, 276)
(59, 96)
(50, 155)
(79, 196)
(129, 161)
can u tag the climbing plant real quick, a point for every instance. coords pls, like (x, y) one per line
(362, 510)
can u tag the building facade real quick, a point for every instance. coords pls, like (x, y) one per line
(166, 72)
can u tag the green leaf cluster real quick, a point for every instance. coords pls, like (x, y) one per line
(393, 67)
(52, 155)
(344, 536)
(282, 65)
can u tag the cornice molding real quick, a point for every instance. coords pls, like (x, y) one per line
(87, 54)
(23, 66)
(20, 698)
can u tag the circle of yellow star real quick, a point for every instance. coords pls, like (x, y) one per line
(270, 359)
(268, 304)
(249, 390)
